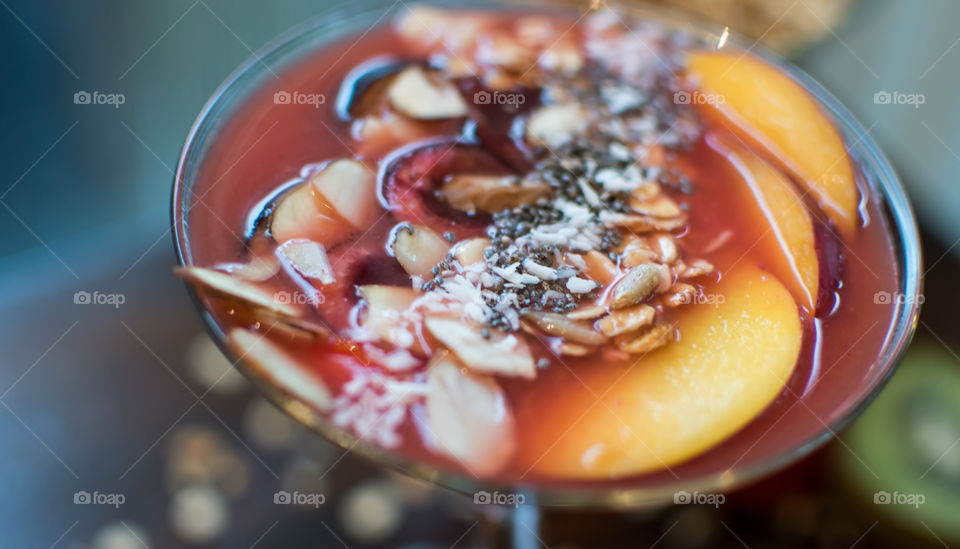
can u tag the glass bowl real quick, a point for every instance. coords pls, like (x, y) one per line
(775, 444)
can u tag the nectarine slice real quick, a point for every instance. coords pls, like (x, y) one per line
(783, 224)
(768, 108)
(730, 362)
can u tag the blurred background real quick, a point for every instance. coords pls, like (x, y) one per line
(115, 434)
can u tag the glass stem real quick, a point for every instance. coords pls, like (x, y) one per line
(525, 524)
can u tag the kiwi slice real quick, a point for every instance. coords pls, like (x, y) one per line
(903, 461)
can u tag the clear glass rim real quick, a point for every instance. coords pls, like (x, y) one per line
(883, 180)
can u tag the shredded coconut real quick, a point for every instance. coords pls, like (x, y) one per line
(540, 271)
(374, 406)
(579, 285)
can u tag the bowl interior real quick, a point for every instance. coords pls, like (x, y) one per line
(776, 438)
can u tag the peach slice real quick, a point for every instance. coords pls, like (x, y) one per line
(730, 362)
(769, 109)
(783, 224)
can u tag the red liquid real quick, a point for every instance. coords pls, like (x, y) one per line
(264, 145)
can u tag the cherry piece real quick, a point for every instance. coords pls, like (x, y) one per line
(498, 116)
(410, 181)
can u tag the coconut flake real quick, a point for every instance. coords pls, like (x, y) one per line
(511, 275)
(399, 360)
(374, 406)
(589, 194)
(540, 271)
(579, 285)
(620, 180)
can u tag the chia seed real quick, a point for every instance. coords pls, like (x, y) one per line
(643, 112)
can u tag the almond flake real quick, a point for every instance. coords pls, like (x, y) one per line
(469, 416)
(308, 258)
(415, 94)
(501, 354)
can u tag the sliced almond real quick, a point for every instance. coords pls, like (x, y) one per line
(383, 132)
(680, 294)
(383, 314)
(659, 206)
(644, 193)
(573, 349)
(351, 190)
(231, 287)
(500, 354)
(491, 194)
(298, 328)
(469, 416)
(418, 249)
(308, 258)
(643, 223)
(600, 267)
(304, 213)
(637, 285)
(697, 267)
(502, 50)
(637, 252)
(655, 337)
(414, 93)
(563, 57)
(554, 124)
(565, 327)
(666, 247)
(626, 320)
(273, 363)
(470, 252)
(588, 312)
(257, 270)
